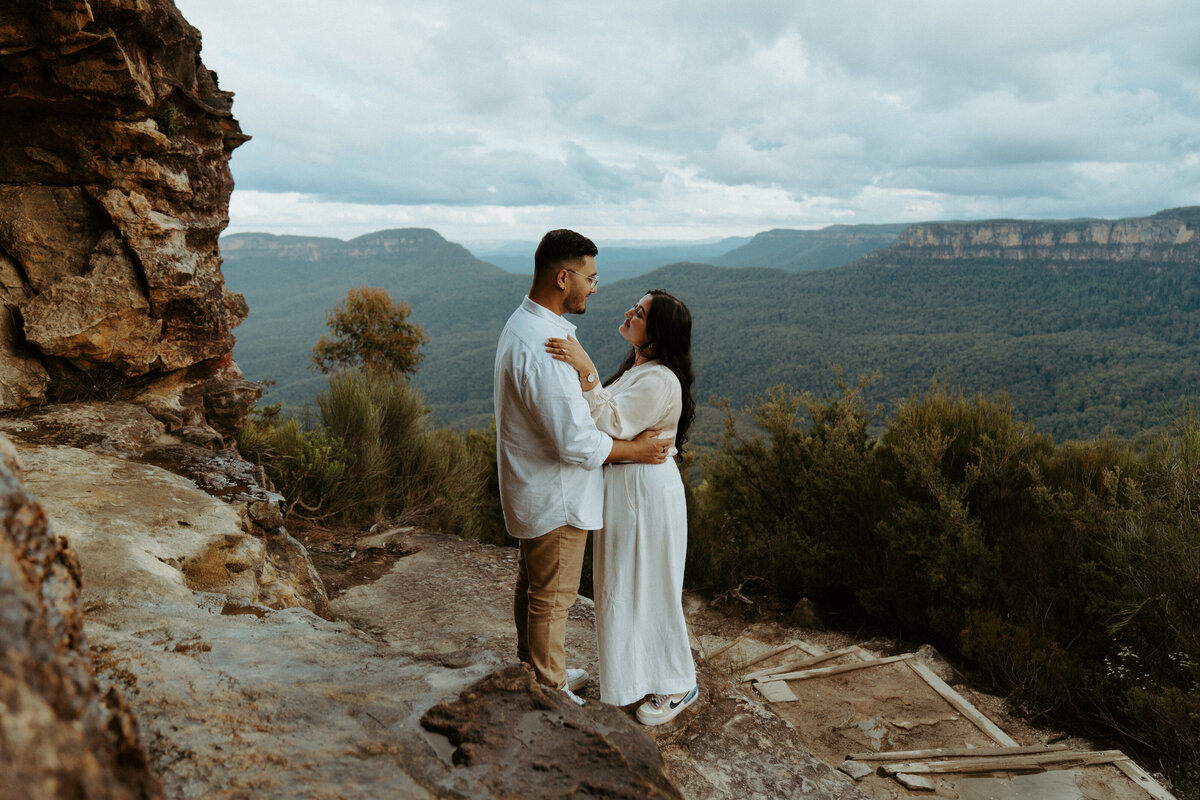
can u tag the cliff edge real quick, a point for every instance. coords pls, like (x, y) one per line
(1168, 237)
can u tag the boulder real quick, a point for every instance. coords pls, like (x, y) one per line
(48, 230)
(209, 397)
(101, 317)
(523, 740)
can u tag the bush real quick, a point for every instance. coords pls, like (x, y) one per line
(373, 457)
(307, 466)
(403, 471)
(787, 502)
(488, 526)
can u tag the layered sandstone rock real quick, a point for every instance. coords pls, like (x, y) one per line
(114, 150)
(1168, 237)
(60, 736)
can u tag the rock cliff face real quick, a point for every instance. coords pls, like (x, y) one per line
(114, 186)
(60, 736)
(1168, 237)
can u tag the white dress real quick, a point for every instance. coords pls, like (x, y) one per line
(639, 554)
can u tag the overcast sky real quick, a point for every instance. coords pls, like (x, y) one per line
(500, 119)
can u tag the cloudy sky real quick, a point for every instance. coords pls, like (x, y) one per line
(499, 119)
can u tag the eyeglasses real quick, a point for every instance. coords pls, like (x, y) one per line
(595, 281)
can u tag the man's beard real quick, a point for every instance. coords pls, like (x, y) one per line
(575, 303)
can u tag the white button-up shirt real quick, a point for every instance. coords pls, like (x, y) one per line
(548, 449)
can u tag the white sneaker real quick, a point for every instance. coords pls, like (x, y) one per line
(577, 679)
(574, 697)
(662, 708)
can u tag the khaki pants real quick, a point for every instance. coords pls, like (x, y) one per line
(548, 570)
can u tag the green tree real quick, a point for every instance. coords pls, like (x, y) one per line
(369, 330)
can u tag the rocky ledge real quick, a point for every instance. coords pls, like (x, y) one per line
(182, 644)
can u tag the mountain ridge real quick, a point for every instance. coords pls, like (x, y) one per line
(1169, 236)
(1099, 345)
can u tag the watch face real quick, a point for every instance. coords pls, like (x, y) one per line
(591, 377)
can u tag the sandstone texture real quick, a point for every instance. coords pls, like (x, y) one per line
(114, 186)
(195, 519)
(61, 735)
(1168, 237)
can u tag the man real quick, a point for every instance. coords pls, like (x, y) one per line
(550, 454)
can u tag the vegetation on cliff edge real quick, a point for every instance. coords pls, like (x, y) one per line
(1066, 575)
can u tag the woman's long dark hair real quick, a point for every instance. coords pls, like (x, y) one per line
(669, 330)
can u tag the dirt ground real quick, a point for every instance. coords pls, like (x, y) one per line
(340, 559)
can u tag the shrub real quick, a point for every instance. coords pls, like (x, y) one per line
(1067, 575)
(307, 466)
(373, 457)
(402, 471)
(786, 502)
(955, 475)
(488, 525)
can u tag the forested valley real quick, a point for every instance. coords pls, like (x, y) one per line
(1081, 348)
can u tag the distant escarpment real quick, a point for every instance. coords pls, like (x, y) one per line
(801, 250)
(114, 186)
(1168, 237)
(404, 242)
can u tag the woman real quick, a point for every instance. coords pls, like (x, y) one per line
(639, 555)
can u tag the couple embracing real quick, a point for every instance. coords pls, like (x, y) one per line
(577, 455)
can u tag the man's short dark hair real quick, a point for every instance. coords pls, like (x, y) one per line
(559, 246)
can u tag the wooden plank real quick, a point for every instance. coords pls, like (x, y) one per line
(768, 654)
(961, 705)
(822, 671)
(776, 692)
(721, 650)
(1143, 779)
(915, 781)
(803, 663)
(1033, 761)
(956, 752)
(811, 649)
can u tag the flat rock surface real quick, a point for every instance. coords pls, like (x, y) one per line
(450, 604)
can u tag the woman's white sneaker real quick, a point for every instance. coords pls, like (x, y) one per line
(662, 708)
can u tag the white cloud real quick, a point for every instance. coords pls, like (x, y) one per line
(642, 116)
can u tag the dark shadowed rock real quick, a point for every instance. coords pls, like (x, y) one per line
(60, 737)
(530, 742)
